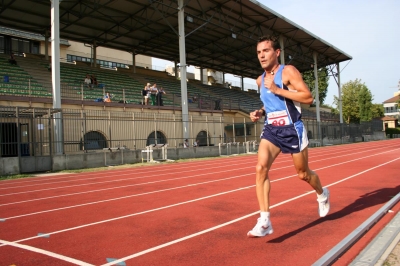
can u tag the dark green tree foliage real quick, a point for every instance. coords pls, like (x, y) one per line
(365, 103)
(377, 110)
(323, 82)
(356, 102)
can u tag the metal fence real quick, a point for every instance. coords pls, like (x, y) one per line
(40, 132)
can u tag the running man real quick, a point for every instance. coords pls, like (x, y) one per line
(282, 89)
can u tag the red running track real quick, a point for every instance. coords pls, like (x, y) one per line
(195, 213)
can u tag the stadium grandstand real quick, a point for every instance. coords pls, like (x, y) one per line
(51, 120)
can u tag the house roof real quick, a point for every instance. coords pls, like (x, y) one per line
(222, 34)
(388, 118)
(394, 99)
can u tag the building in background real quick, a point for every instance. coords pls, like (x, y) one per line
(392, 108)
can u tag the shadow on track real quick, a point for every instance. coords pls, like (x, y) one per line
(370, 199)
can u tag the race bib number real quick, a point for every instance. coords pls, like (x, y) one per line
(278, 118)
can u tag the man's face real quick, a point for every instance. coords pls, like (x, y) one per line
(266, 54)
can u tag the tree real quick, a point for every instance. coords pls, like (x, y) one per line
(356, 102)
(365, 103)
(377, 110)
(323, 83)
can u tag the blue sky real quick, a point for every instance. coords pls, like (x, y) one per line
(364, 29)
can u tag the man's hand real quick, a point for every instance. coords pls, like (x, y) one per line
(270, 84)
(256, 115)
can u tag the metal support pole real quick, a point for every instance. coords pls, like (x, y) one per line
(340, 101)
(133, 61)
(46, 45)
(94, 53)
(317, 96)
(282, 55)
(182, 60)
(55, 73)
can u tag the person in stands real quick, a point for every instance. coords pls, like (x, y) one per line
(107, 97)
(12, 60)
(160, 93)
(88, 81)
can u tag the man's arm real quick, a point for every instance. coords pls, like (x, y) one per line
(294, 81)
(257, 114)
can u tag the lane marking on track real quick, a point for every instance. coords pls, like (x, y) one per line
(4, 243)
(45, 252)
(233, 221)
(125, 197)
(163, 190)
(135, 214)
(169, 189)
(143, 177)
(85, 177)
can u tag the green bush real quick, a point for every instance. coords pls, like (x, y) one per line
(391, 131)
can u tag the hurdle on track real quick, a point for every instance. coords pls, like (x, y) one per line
(149, 152)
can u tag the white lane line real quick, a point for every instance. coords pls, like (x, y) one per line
(168, 189)
(104, 189)
(116, 172)
(125, 197)
(195, 200)
(45, 252)
(166, 180)
(232, 221)
(135, 214)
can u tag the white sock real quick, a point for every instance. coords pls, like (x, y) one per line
(264, 215)
(322, 196)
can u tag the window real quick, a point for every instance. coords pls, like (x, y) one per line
(153, 139)
(35, 47)
(202, 137)
(94, 140)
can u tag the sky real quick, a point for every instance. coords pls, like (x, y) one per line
(368, 31)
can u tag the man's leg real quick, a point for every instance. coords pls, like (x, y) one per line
(267, 152)
(300, 161)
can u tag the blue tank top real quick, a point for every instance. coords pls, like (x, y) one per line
(279, 111)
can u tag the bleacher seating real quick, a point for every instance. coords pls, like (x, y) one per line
(123, 86)
(16, 81)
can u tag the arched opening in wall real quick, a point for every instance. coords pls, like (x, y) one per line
(202, 137)
(154, 138)
(94, 140)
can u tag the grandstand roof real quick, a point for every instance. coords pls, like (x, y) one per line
(150, 27)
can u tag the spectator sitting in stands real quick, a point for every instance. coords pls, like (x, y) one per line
(93, 79)
(196, 143)
(107, 98)
(12, 60)
(88, 81)
(186, 143)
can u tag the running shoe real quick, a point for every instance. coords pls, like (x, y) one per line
(324, 203)
(262, 228)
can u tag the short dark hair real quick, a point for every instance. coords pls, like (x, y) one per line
(274, 41)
